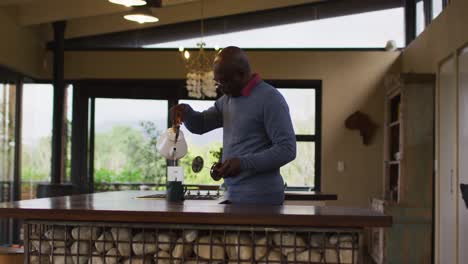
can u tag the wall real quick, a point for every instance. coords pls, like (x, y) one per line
(20, 47)
(351, 81)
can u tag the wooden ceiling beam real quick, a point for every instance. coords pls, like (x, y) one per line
(16, 2)
(172, 14)
(176, 2)
(33, 12)
(47, 11)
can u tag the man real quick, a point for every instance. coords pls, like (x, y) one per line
(258, 134)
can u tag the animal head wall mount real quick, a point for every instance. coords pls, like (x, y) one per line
(363, 123)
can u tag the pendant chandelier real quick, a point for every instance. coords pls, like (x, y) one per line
(200, 81)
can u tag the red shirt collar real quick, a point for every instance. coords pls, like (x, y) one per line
(254, 81)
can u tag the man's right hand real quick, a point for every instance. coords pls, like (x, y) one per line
(177, 114)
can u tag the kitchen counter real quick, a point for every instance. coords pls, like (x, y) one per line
(124, 206)
(61, 229)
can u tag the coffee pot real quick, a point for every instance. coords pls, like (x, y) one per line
(172, 146)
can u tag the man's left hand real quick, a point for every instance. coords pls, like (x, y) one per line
(230, 168)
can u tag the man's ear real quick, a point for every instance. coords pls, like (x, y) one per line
(243, 76)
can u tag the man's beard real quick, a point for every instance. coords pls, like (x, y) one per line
(231, 92)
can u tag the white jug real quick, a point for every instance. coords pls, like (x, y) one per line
(170, 149)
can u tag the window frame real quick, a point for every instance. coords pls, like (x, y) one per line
(85, 91)
(315, 138)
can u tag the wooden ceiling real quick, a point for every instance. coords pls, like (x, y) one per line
(95, 17)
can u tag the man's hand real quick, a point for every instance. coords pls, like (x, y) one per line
(230, 168)
(177, 114)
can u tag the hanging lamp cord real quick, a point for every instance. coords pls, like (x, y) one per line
(202, 18)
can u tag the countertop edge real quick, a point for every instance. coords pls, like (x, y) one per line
(197, 218)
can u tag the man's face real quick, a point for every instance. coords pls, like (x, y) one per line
(229, 81)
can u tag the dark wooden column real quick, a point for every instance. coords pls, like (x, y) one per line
(18, 133)
(15, 223)
(90, 180)
(58, 144)
(428, 12)
(445, 3)
(80, 148)
(410, 21)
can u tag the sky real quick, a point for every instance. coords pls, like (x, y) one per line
(365, 30)
(37, 112)
(129, 112)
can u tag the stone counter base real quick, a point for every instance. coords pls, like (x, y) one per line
(129, 243)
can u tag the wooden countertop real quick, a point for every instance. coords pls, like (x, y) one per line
(10, 251)
(124, 207)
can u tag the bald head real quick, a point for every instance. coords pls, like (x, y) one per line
(232, 70)
(233, 59)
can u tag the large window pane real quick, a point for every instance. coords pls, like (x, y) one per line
(301, 104)
(420, 18)
(7, 139)
(205, 145)
(126, 132)
(301, 172)
(7, 152)
(437, 7)
(364, 30)
(36, 137)
(68, 131)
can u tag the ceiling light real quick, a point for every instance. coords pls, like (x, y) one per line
(129, 2)
(142, 16)
(187, 55)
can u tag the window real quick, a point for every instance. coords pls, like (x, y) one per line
(7, 140)
(420, 17)
(8, 97)
(364, 30)
(37, 114)
(207, 146)
(303, 107)
(437, 6)
(36, 137)
(123, 154)
(126, 132)
(68, 131)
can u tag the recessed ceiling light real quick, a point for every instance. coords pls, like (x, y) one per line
(129, 2)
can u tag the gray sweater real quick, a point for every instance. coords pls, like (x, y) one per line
(258, 130)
